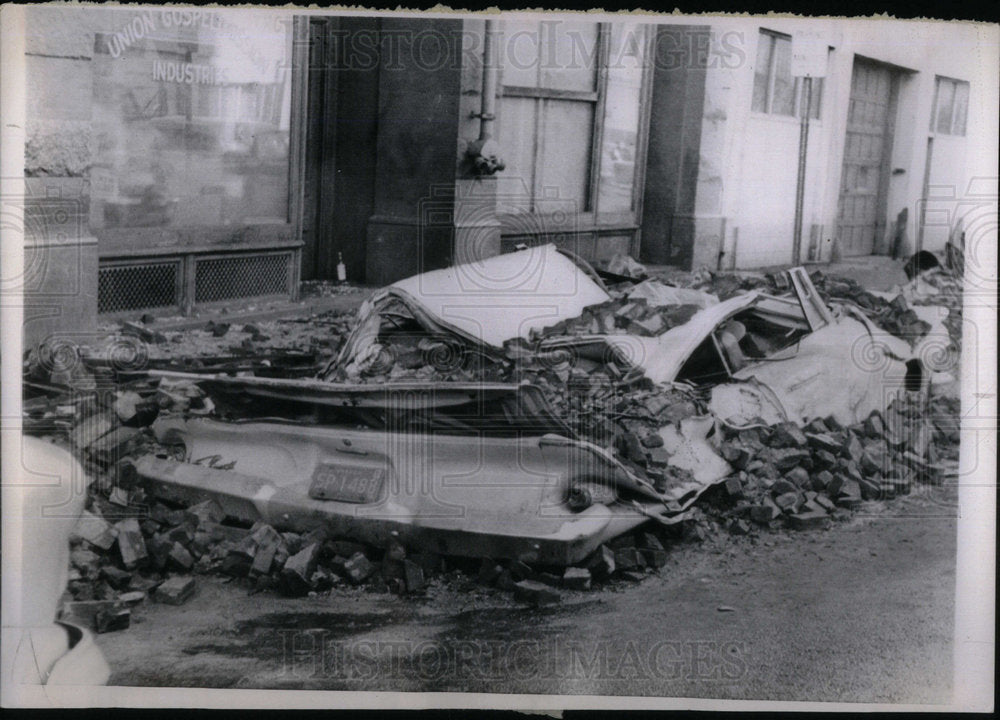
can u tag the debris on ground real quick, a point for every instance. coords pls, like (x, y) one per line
(130, 547)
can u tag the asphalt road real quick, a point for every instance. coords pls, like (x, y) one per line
(861, 612)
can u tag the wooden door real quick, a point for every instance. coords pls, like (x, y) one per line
(867, 148)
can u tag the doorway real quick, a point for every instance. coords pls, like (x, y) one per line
(338, 175)
(867, 151)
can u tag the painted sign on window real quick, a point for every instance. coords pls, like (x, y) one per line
(191, 118)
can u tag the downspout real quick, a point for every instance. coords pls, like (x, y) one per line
(487, 114)
(484, 152)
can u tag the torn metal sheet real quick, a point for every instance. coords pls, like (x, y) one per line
(691, 450)
(844, 370)
(506, 296)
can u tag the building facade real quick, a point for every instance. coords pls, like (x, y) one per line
(179, 158)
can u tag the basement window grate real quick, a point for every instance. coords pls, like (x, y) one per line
(137, 287)
(243, 276)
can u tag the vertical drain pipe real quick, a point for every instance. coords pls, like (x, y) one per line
(488, 100)
(484, 152)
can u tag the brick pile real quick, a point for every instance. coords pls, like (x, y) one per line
(804, 477)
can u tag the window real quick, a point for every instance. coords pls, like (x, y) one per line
(570, 115)
(191, 119)
(951, 106)
(775, 91)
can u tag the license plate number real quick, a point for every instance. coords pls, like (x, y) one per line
(350, 484)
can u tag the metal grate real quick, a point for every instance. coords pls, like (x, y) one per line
(137, 287)
(243, 276)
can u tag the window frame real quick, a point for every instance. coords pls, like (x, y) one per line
(798, 93)
(955, 84)
(591, 218)
(246, 236)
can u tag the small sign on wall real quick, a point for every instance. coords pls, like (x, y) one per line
(809, 54)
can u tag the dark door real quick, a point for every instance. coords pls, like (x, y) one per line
(320, 152)
(867, 147)
(341, 125)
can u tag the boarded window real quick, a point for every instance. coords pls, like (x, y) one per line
(775, 91)
(570, 115)
(951, 107)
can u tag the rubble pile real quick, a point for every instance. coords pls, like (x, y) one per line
(291, 347)
(129, 547)
(894, 316)
(803, 477)
(135, 550)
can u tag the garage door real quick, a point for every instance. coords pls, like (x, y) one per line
(865, 175)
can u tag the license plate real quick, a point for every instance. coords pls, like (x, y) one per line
(347, 483)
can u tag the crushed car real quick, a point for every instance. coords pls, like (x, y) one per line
(522, 407)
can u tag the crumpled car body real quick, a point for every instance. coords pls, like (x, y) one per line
(498, 486)
(487, 469)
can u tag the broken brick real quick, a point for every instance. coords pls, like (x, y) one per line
(821, 480)
(652, 557)
(825, 503)
(799, 477)
(95, 530)
(159, 548)
(263, 559)
(871, 462)
(176, 590)
(84, 612)
(536, 593)
(787, 435)
(817, 426)
(825, 459)
(630, 447)
(809, 520)
(874, 427)
(823, 441)
(181, 534)
(784, 486)
(413, 575)
(735, 455)
(112, 620)
(657, 457)
(321, 579)
(576, 578)
(601, 563)
(550, 579)
(852, 448)
(765, 512)
(649, 541)
(116, 577)
(133, 597)
(785, 459)
(626, 558)
(358, 568)
(651, 440)
(131, 544)
(237, 563)
(870, 490)
(118, 496)
(204, 513)
(299, 568)
(521, 570)
(734, 487)
(787, 501)
(489, 571)
(180, 558)
(344, 548)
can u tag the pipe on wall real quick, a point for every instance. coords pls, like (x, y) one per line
(487, 114)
